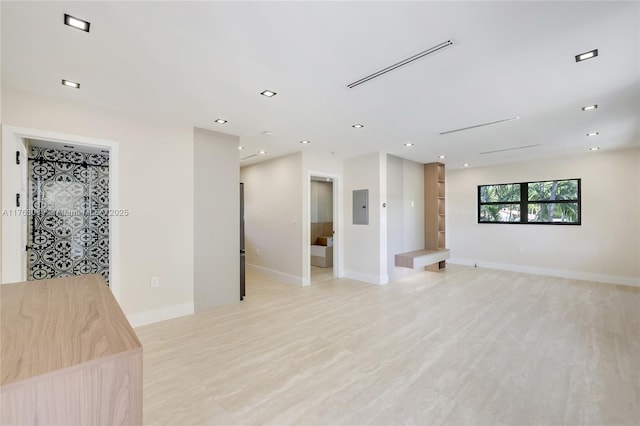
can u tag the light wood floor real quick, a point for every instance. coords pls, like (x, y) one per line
(469, 346)
(320, 275)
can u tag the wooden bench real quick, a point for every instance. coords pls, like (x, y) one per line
(420, 258)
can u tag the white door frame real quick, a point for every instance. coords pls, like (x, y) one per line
(14, 178)
(337, 227)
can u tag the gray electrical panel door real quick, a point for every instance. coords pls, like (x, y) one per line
(361, 207)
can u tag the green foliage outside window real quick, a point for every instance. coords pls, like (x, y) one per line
(554, 202)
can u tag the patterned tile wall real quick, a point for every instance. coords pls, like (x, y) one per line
(68, 223)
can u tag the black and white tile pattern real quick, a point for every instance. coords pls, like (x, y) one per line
(68, 221)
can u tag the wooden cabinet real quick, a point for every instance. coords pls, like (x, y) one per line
(434, 211)
(68, 355)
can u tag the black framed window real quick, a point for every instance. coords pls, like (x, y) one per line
(551, 202)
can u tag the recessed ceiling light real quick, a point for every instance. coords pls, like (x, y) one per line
(70, 84)
(442, 157)
(357, 126)
(241, 148)
(328, 179)
(589, 107)
(594, 148)
(408, 144)
(76, 23)
(221, 121)
(268, 93)
(261, 152)
(304, 142)
(593, 134)
(466, 164)
(587, 55)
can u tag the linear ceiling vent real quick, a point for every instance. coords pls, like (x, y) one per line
(510, 149)
(250, 156)
(480, 125)
(401, 63)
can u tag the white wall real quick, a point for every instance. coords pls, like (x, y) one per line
(321, 201)
(322, 163)
(413, 205)
(395, 214)
(365, 246)
(405, 211)
(606, 247)
(277, 213)
(216, 219)
(156, 186)
(273, 216)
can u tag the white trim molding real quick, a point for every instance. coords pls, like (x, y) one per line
(560, 273)
(338, 246)
(162, 314)
(367, 278)
(280, 276)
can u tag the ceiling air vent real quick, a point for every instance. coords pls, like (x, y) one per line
(510, 149)
(404, 62)
(480, 125)
(249, 156)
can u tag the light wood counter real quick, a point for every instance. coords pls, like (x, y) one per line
(67, 355)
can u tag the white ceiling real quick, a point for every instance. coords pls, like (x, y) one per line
(194, 62)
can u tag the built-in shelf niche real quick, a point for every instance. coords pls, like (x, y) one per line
(434, 210)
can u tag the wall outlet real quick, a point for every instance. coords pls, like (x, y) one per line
(155, 282)
(521, 250)
(257, 252)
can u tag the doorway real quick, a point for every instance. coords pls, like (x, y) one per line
(15, 197)
(322, 229)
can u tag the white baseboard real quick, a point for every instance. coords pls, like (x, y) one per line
(280, 276)
(561, 273)
(156, 315)
(367, 278)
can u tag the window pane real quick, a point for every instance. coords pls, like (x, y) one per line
(553, 190)
(500, 193)
(500, 213)
(553, 212)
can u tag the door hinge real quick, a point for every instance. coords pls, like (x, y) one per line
(17, 157)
